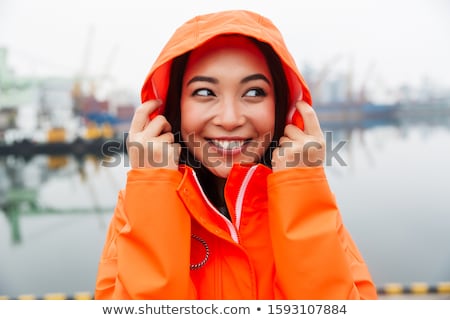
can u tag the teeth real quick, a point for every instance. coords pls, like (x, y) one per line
(228, 144)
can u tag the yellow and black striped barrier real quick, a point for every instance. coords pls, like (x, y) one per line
(389, 289)
(414, 288)
(52, 296)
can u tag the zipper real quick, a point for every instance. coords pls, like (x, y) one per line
(231, 227)
(241, 193)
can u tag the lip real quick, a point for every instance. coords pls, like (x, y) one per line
(241, 144)
(228, 138)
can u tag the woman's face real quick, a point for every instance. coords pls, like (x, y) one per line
(227, 104)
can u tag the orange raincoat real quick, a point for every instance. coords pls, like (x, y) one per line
(285, 239)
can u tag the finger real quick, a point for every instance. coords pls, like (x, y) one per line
(293, 132)
(140, 117)
(166, 137)
(158, 126)
(312, 125)
(285, 142)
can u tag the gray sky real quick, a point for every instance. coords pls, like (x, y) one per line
(403, 40)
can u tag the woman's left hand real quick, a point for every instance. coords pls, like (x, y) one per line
(300, 148)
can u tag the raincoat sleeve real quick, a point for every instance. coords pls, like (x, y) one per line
(315, 257)
(147, 249)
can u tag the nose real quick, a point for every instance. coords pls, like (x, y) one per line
(230, 115)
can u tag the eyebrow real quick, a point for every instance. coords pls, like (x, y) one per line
(252, 77)
(203, 79)
(256, 76)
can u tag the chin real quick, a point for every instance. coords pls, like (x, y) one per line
(221, 171)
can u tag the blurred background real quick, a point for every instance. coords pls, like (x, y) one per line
(70, 79)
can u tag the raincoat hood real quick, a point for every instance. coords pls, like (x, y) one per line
(200, 29)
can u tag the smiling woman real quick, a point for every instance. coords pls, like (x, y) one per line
(410, 42)
(225, 188)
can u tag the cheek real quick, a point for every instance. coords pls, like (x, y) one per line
(265, 120)
(191, 124)
(266, 123)
(190, 119)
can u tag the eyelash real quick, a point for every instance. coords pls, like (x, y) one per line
(258, 92)
(208, 92)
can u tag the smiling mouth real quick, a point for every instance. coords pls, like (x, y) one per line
(228, 146)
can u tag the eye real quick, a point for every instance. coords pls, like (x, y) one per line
(255, 92)
(203, 92)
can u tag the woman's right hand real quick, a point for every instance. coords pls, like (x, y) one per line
(150, 143)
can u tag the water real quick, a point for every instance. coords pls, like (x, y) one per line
(51, 240)
(394, 196)
(392, 192)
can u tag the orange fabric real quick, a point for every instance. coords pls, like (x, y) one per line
(285, 239)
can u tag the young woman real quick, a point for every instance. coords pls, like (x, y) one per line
(227, 197)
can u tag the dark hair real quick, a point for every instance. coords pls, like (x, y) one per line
(173, 115)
